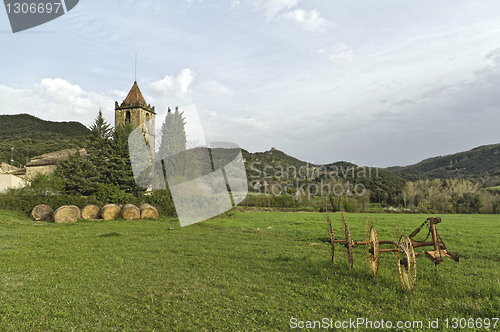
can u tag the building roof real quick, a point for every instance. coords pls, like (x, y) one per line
(19, 172)
(6, 168)
(135, 95)
(135, 99)
(53, 157)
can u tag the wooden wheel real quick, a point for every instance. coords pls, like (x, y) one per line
(332, 238)
(373, 251)
(348, 243)
(406, 262)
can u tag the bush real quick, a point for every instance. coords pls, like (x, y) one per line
(109, 193)
(24, 201)
(162, 201)
(350, 207)
(283, 201)
(44, 184)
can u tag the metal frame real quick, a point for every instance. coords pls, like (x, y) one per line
(404, 247)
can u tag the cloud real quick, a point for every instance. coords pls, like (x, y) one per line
(310, 20)
(235, 4)
(271, 8)
(60, 92)
(338, 52)
(215, 88)
(250, 122)
(175, 86)
(55, 99)
(286, 10)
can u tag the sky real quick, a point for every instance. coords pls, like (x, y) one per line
(377, 83)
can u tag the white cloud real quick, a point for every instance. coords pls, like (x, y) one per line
(55, 99)
(286, 9)
(310, 20)
(215, 88)
(60, 92)
(250, 122)
(175, 86)
(271, 8)
(235, 4)
(338, 52)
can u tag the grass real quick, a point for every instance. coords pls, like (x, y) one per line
(254, 271)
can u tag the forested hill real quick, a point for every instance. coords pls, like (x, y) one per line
(481, 163)
(31, 136)
(29, 126)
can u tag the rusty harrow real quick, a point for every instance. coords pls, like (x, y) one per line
(407, 264)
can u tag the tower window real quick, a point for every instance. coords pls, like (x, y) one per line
(127, 117)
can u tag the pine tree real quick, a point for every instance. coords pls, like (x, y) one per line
(100, 139)
(173, 142)
(117, 169)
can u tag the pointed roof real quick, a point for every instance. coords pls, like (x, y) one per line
(135, 96)
(135, 99)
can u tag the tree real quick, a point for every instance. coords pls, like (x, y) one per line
(99, 144)
(173, 143)
(101, 130)
(79, 175)
(117, 169)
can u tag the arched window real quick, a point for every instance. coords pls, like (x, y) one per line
(147, 117)
(127, 117)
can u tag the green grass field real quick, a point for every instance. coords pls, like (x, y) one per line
(253, 271)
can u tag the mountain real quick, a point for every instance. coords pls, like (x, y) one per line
(29, 126)
(275, 167)
(31, 136)
(480, 164)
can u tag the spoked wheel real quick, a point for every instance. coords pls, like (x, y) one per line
(407, 263)
(332, 238)
(373, 251)
(348, 243)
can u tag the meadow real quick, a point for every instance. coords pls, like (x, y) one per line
(262, 271)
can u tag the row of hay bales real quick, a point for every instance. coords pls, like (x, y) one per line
(70, 213)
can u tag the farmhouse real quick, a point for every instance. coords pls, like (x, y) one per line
(46, 163)
(10, 177)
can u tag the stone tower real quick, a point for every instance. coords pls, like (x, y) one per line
(135, 110)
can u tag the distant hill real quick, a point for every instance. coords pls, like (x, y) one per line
(275, 166)
(481, 163)
(31, 136)
(29, 126)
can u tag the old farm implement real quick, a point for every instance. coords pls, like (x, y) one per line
(404, 247)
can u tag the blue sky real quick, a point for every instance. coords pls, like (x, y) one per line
(378, 83)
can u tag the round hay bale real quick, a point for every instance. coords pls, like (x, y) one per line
(67, 213)
(148, 212)
(42, 212)
(110, 212)
(131, 212)
(91, 212)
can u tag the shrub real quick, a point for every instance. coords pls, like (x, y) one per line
(24, 201)
(162, 201)
(110, 193)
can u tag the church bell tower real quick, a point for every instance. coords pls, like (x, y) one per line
(136, 111)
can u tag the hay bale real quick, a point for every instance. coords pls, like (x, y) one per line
(148, 212)
(110, 212)
(91, 212)
(42, 212)
(67, 213)
(131, 212)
